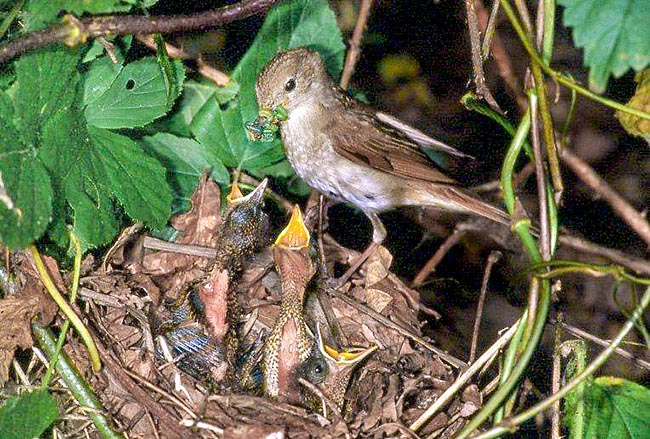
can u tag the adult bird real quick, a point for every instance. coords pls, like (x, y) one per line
(351, 152)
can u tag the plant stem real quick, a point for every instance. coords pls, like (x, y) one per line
(67, 310)
(80, 390)
(510, 425)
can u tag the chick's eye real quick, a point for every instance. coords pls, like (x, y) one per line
(290, 85)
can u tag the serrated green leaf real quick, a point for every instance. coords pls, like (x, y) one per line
(290, 24)
(185, 160)
(615, 35)
(80, 179)
(616, 409)
(28, 415)
(46, 85)
(25, 199)
(135, 96)
(136, 180)
(195, 95)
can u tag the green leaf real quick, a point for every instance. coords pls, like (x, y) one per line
(224, 132)
(78, 177)
(136, 180)
(46, 85)
(185, 160)
(27, 415)
(25, 199)
(195, 95)
(615, 35)
(290, 24)
(616, 409)
(634, 125)
(131, 96)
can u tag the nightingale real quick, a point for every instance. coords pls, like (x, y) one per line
(350, 152)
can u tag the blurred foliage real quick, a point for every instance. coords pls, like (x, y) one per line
(641, 100)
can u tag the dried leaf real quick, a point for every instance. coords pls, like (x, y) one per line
(16, 314)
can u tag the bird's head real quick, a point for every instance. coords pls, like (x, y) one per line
(244, 226)
(292, 79)
(330, 370)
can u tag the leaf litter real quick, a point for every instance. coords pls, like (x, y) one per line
(150, 398)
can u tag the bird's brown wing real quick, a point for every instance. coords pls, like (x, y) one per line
(363, 139)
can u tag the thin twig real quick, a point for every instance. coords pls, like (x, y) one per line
(464, 378)
(556, 377)
(500, 56)
(641, 266)
(491, 25)
(477, 60)
(186, 249)
(355, 43)
(577, 332)
(209, 72)
(455, 362)
(191, 423)
(132, 24)
(433, 262)
(627, 212)
(540, 177)
(492, 259)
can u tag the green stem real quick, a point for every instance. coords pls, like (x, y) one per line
(549, 30)
(547, 124)
(81, 391)
(67, 310)
(66, 325)
(510, 425)
(537, 307)
(564, 80)
(504, 390)
(509, 360)
(509, 161)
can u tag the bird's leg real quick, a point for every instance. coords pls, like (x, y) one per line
(322, 217)
(378, 236)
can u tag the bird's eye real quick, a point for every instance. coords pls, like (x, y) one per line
(290, 84)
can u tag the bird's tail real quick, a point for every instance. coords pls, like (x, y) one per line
(457, 199)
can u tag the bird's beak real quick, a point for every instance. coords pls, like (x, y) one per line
(347, 356)
(256, 196)
(235, 193)
(296, 235)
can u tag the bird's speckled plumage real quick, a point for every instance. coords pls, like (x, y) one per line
(348, 151)
(201, 327)
(289, 344)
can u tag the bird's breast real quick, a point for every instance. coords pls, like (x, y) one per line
(310, 151)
